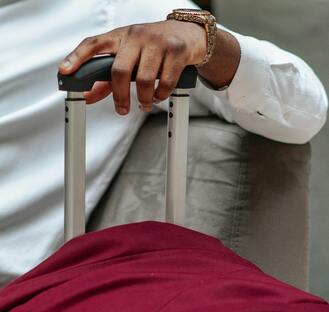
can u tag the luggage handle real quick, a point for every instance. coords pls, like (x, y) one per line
(99, 69)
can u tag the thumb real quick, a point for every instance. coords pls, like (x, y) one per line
(89, 47)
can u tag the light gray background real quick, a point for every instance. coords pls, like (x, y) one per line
(302, 27)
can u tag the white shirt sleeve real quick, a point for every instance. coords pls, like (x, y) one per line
(273, 93)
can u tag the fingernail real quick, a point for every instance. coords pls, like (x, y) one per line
(66, 64)
(156, 101)
(147, 109)
(122, 110)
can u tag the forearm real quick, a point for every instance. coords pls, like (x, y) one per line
(222, 66)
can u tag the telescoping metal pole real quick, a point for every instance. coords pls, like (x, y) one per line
(75, 165)
(99, 69)
(177, 143)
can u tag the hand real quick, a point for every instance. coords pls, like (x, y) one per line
(166, 47)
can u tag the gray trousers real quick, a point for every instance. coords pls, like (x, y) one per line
(250, 192)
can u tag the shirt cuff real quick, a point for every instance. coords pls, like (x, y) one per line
(209, 86)
(250, 85)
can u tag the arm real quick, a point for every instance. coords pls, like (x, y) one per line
(271, 92)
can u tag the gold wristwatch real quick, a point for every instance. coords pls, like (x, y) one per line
(201, 17)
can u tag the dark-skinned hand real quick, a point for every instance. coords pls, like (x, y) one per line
(166, 47)
(163, 48)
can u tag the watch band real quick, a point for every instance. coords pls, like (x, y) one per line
(201, 17)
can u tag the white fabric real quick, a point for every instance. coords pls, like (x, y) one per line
(274, 94)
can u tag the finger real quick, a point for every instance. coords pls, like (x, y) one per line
(126, 59)
(100, 90)
(88, 48)
(148, 68)
(171, 71)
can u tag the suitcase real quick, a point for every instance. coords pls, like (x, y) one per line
(175, 269)
(99, 69)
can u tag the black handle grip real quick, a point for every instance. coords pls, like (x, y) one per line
(99, 69)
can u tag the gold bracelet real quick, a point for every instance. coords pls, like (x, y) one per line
(202, 17)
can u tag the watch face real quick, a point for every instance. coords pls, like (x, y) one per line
(191, 11)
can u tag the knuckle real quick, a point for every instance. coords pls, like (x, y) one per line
(145, 81)
(119, 72)
(136, 30)
(90, 40)
(175, 46)
(155, 37)
(167, 84)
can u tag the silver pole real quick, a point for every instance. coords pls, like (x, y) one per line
(75, 165)
(177, 137)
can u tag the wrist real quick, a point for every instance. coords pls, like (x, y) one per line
(198, 44)
(201, 17)
(195, 38)
(223, 64)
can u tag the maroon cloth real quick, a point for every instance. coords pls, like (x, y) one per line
(151, 266)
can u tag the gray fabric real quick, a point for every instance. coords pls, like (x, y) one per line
(299, 26)
(272, 211)
(243, 189)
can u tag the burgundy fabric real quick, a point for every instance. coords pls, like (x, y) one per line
(151, 266)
